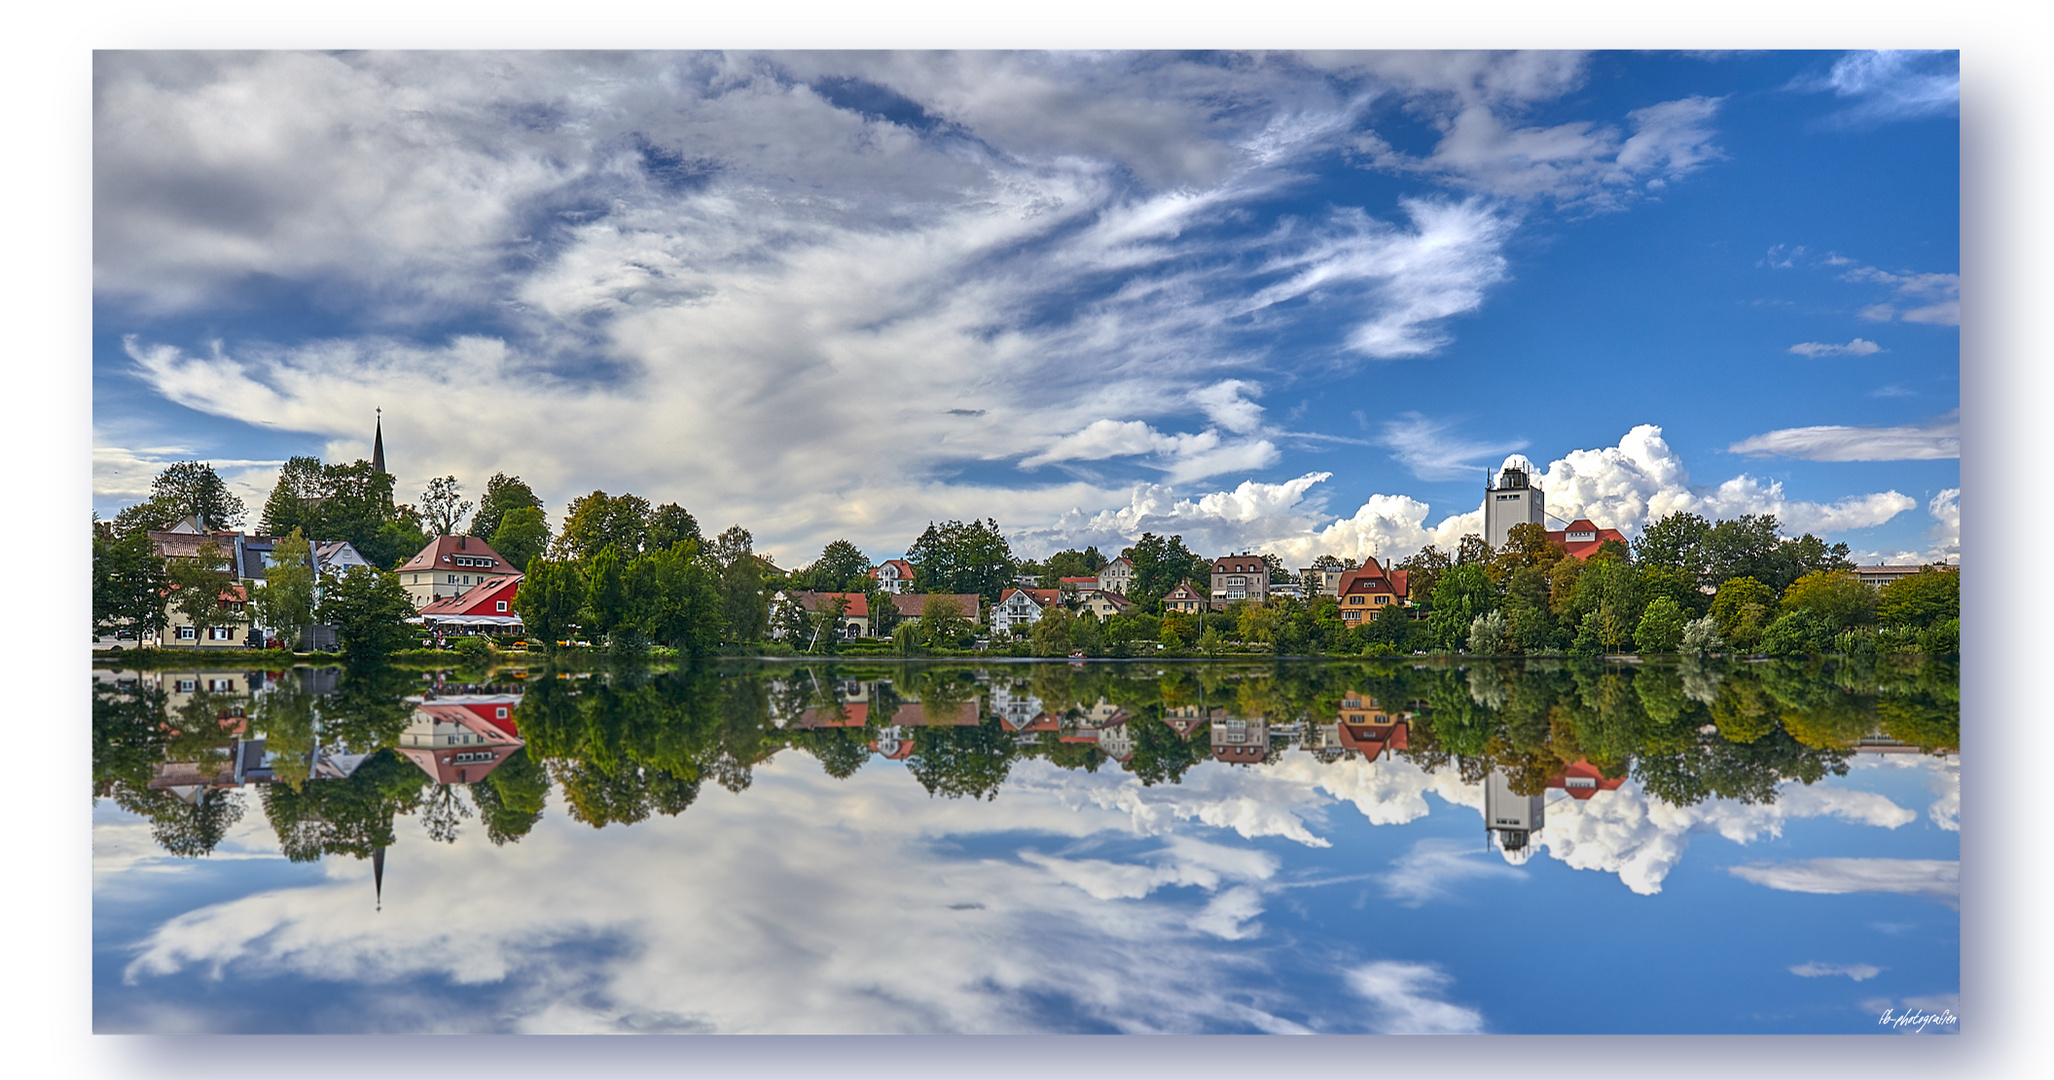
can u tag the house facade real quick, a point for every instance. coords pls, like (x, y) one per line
(484, 608)
(1237, 578)
(893, 575)
(1117, 576)
(1020, 608)
(1103, 604)
(1369, 589)
(1240, 740)
(450, 566)
(232, 633)
(1583, 538)
(1184, 600)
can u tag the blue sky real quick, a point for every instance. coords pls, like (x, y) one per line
(1343, 896)
(1294, 303)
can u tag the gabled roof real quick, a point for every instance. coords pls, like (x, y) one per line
(857, 604)
(441, 552)
(1041, 597)
(1122, 560)
(1584, 549)
(1184, 591)
(904, 568)
(1240, 564)
(479, 599)
(914, 605)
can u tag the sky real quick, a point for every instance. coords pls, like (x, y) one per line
(1296, 303)
(1346, 896)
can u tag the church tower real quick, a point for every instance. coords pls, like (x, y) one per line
(378, 446)
(1512, 497)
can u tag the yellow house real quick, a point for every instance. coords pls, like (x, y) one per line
(180, 633)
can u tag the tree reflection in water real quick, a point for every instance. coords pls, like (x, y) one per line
(334, 757)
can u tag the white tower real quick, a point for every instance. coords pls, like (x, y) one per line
(1512, 497)
(1511, 819)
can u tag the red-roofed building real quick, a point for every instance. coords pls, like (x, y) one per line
(1581, 780)
(233, 633)
(914, 605)
(1103, 604)
(454, 743)
(855, 616)
(1368, 589)
(1583, 538)
(893, 575)
(1183, 600)
(484, 608)
(449, 566)
(1021, 608)
(1240, 740)
(1076, 584)
(1117, 576)
(1367, 728)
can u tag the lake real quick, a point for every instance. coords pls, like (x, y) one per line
(1375, 846)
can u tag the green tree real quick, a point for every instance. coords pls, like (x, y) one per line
(963, 557)
(522, 534)
(1526, 547)
(443, 506)
(841, 567)
(189, 487)
(1160, 564)
(285, 602)
(1661, 627)
(1927, 598)
(200, 585)
(299, 486)
(129, 583)
(744, 605)
(1052, 633)
(596, 520)
(884, 614)
(1797, 632)
(1529, 618)
(1462, 593)
(1701, 637)
(962, 760)
(503, 494)
(675, 601)
(1835, 597)
(549, 599)
(606, 593)
(671, 525)
(942, 624)
(1677, 542)
(1474, 551)
(1743, 608)
(1423, 570)
(369, 609)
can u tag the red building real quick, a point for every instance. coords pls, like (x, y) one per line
(1583, 538)
(485, 608)
(1368, 589)
(1581, 780)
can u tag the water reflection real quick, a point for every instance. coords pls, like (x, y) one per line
(939, 847)
(333, 757)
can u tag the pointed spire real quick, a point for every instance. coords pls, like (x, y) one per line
(378, 876)
(378, 445)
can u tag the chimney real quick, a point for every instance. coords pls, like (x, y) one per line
(460, 541)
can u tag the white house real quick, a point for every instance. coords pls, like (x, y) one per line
(1021, 607)
(893, 575)
(1117, 576)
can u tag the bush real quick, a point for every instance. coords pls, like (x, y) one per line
(474, 651)
(1701, 636)
(1795, 633)
(1488, 635)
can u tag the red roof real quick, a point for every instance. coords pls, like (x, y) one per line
(857, 604)
(1043, 597)
(914, 605)
(1581, 780)
(482, 747)
(1240, 564)
(480, 599)
(1584, 549)
(904, 568)
(1373, 739)
(1078, 580)
(441, 554)
(1184, 591)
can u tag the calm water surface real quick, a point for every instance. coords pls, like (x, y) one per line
(1066, 847)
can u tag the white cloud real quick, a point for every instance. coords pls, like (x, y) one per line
(1434, 867)
(1408, 997)
(1423, 446)
(1921, 297)
(1921, 877)
(1946, 510)
(1857, 972)
(1857, 347)
(1905, 442)
(1895, 84)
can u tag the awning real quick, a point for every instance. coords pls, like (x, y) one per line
(466, 620)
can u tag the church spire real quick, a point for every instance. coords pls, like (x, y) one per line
(378, 875)
(378, 445)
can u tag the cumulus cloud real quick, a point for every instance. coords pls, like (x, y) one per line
(1857, 347)
(1918, 877)
(1857, 972)
(1905, 442)
(1408, 997)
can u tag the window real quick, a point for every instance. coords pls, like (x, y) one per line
(499, 713)
(187, 686)
(221, 686)
(187, 633)
(502, 605)
(221, 633)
